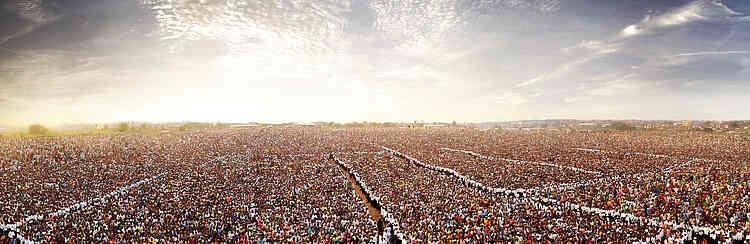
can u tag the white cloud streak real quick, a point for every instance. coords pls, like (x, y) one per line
(701, 10)
(564, 69)
(712, 53)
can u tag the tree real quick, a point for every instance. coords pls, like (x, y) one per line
(123, 127)
(38, 130)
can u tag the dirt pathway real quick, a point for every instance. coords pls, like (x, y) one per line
(374, 212)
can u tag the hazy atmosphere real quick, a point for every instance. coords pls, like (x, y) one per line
(91, 61)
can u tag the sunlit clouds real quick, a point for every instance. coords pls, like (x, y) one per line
(354, 60)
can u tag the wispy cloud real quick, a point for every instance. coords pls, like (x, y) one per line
(691, 12)
(621, 85)
(616, 86)
(565, 68)
(531, 81)
(599, 47)
(712, 53)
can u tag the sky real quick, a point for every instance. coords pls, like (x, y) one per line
(96, 61)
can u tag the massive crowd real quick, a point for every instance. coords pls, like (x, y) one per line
(431, 206)
(714, 194)
(227, 200)
(685, 186)
(282, 184)
(229, 186)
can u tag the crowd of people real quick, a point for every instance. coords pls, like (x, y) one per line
(713, 146)
(285, 184)
(506, 173)
(45, 174)
(227, 186)
(634, 181)
(431, 206)
(713, 194)
(540, 148)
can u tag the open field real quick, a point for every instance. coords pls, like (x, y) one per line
(321, 184)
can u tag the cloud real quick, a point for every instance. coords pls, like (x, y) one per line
(701, 10)
(715, 70)
(531, 81)
(712, 53)
(623, 84)
(565, 68)
(281, 28)
(585, 52)
(615, 87)
(31, 10)
(599, 47)
(632, 30)
(414, 55)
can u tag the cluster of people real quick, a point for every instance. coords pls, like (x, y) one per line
(647, 184)
(289, 184)
(211, 186)
(506, 173)
(713, 146)
(710, 194)
(431, 206)
(48, 173)
(533, 149)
